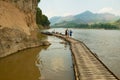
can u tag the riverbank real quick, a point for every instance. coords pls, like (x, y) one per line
(52, 62)
(18, 29)
(87, 65)
(23, 46)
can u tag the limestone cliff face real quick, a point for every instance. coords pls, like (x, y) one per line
(18, 28)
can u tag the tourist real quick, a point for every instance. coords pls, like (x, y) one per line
(66, 32)
(70, 32)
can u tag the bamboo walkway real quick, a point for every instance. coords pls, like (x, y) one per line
(86, 64)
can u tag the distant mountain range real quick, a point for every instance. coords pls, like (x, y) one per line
(86, 17)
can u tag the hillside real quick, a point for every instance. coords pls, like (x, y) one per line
(18, 29)
(117, 23)
(86, 17)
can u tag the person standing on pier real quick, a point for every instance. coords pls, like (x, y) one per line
(66, 32)
(70, 32)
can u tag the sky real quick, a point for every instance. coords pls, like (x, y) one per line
(72, 7)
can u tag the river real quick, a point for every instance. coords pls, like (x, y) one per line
(20, 65)
(55, 63)
(105, 43)
(52, 62)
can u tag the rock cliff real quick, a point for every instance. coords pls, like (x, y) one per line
(18, 29)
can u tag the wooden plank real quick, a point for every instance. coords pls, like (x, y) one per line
(88, 65)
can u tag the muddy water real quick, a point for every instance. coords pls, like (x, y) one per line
(20, 66)
(55, 63)
(42, 63)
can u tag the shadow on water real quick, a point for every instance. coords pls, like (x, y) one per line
(21, 65)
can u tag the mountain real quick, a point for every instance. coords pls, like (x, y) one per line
(54, 19)
(86, 17)
(59, 19)
(117, 23)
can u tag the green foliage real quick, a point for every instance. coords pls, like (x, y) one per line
(38, 16)
(44, 20)
(117, 22)
(41, 19)
(38, 1)
(87, 26)
(104, 26)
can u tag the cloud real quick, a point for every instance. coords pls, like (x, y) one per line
(109, 10)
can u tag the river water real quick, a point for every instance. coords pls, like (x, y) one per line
(105, 43)
(52, 62)
(55, 63)
(20, 66)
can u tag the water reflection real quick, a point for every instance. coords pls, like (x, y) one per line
(55, 63)
(20, 66)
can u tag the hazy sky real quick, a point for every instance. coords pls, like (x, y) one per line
(71, 7)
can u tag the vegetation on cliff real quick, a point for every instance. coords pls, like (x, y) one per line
(41, 19)
(38, 1)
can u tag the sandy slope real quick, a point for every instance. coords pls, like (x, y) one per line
(12, 17)
(17, 25)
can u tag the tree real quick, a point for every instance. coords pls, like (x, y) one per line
(38, 16)
(38, 1)
(45, 21)
(41, 19)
